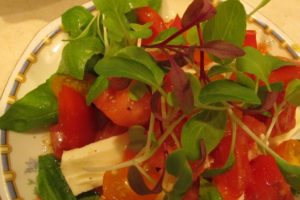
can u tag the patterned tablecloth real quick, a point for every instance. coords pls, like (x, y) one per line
(20, 20)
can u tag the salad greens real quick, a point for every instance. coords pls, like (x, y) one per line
(109, 45)
(37, 109)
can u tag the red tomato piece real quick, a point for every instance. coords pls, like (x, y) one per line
(290, 151)
(57, 140)
(285, 74)
(232, 183)
(110, 129)
(77, 126)
(267, 181)
(192, 193)
(255, 125)
(250, 39)
(116, 187)
(286, 120)
(147, 14)
(122, 110)
(176, 23)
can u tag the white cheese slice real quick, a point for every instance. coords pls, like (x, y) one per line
(74, 163)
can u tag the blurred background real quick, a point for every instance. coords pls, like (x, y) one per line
(20, 20)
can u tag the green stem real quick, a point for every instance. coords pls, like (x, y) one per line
(150, 131)
(142, 158)
(85, 31)
(274, 120)
(251, 134)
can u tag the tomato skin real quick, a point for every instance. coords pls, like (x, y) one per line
(232, 183)
(267, 181)
(77, 126)
(81, 86)
(286, 120)
(285, 74)
(110, 129)
(147, 14)
(57, 140)
(250, 39)
(116, 187)
(123, 111)
(290, 151)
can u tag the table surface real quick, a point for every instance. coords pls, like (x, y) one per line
(20, 20)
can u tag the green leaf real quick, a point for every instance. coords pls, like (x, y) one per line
(137, 91)
(97, 88)
(166, 34)
(115, 20)
(206, 125)
(259, 6)
(141, 56)
(155, 4)
(245, 80)
(178, 166)
(137, 138)
(290, 172)
(51, 184)
(140, 31)
(88, 196)
(36, 109)
(213, 172)
(254, 62)
(106, 7)
(196, 88)
(75, 20)
(208, 191)
(226, 90)
(218, 69)
(229, 24)
(277, 63)
(293, 92)
(137, 3)
(122, 67)
(192, 36)
(77, 53)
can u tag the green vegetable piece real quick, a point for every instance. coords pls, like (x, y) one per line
(51, 184)
(137, 138)
(218, 69)
(75, 20)
(213, 172)
(245, 80)
(88, 196)
(208, 191)
(290, 172)
(258, 64)
(192, 36)
(137, 3)
(178, 166)
(97, 88)
(166, 34)
(137, 91)
(293, 92)
(229, 24)
(77, 53)
(36, 109)
(141, 31)
(259, 6)
(206, 125)
(122, 67)
(141, 56)
(155, 4)
(226, 90)
(196, 88)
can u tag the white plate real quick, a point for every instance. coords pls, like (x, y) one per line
(19, 152)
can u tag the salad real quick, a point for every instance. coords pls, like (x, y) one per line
(140, 108)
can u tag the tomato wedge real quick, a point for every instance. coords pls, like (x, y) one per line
(147, 14)
(267, 181)
(77, 122)
(250, 39)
